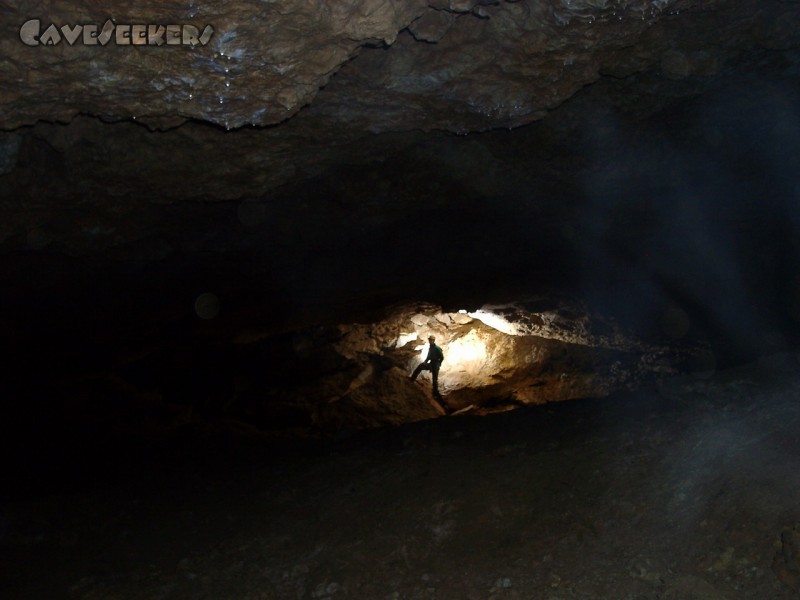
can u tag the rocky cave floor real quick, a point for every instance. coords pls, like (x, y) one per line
(687, 490)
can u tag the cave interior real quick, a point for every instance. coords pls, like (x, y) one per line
(221, 262)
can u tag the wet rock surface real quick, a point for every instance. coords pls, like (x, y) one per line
(686, 491)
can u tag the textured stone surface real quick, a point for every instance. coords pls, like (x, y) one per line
(519, 63)
(464, 66)
(264, 62)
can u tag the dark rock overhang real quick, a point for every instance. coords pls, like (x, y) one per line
(311, 164)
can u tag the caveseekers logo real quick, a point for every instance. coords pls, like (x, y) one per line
(31, 34)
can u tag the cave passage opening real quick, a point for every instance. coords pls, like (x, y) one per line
(496, 358)
(472, 342)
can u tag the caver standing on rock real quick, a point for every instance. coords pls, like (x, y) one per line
(431, 363)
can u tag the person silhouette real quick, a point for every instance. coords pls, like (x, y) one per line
(433, 361)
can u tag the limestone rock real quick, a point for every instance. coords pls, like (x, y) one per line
(432, 26)
(492, 64)
(263, 63)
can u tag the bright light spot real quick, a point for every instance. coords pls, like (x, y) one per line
(495, 322)
(467, 353)
(472, 354)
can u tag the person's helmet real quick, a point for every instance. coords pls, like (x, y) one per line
(431, 338)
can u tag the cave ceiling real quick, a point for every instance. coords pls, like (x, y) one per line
(309, 151)
(371, 65)
(306, 84)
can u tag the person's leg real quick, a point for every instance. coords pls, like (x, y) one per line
(435, 374)
(420, 368)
